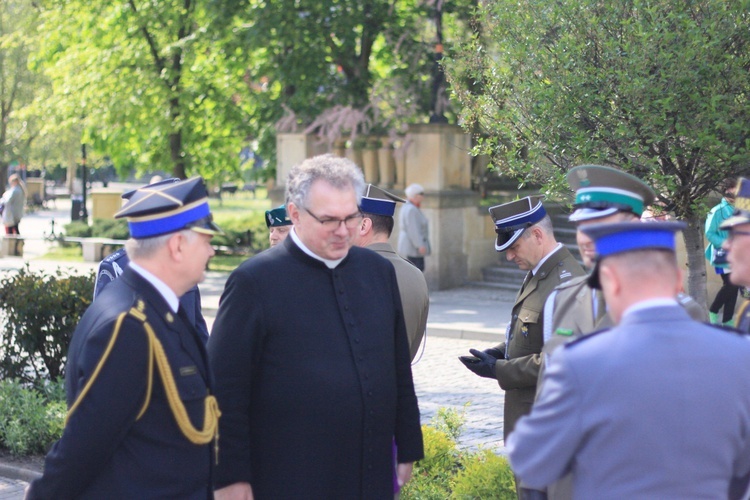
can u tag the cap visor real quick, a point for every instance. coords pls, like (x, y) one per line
(590, 214)
(208, 227)
(735, 220)
(504, 240)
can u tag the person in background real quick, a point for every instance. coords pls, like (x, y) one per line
(278, 224)
(414, 235)
(737, 245)
(656, 407)
(726, 298)
(311, 357)
(13, 202)
(378, 207)
(142, 418)
(524, 233)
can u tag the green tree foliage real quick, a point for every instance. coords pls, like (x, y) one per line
(656, 88)
(146, 81)
(19, 84)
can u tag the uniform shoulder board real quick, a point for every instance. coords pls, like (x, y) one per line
(585, 337)
(114, 256)
(571, 282)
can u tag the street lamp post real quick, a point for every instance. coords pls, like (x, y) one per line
(84, 212)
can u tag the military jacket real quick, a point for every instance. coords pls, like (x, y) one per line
(517, 373)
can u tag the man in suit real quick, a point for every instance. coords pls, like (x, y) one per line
(112, 266)
(278, 224)
(524, 233)
(656, 407)
(378, 207)
(414, 233)
(141, 416)
(311, 357)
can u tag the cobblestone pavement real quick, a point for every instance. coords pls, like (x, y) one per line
(442, 381)
(11, 489)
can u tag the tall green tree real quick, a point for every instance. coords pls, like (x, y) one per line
(146, 81)
(655, 87)
(19, 85)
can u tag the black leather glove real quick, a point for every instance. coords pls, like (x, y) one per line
(480, 362)
(495, 352)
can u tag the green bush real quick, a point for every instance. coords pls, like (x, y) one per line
(244, 232)
(39, 313)
(31, 421)
(484, 475)
(448, 472)
(77, 229)
(115, 229)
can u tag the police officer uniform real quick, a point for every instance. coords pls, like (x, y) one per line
(141, 419)
(655, 407)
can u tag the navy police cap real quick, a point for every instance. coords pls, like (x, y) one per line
(166, 208)
(622, 237)
(277, 217)
(377, 201)
(513, 218)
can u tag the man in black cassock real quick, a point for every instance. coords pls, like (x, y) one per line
(311, 357)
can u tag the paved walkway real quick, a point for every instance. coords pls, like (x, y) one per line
(459, 319)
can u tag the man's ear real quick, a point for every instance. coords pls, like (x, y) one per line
(293, 213)
(610, 276)
(176, 246)
(365, 227)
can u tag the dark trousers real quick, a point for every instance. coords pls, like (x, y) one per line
(417, 261)
(726, 297)
(12, 229)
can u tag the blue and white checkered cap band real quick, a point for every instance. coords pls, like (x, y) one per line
(378, 207)
(169, 222)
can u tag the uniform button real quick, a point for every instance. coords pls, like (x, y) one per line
(341, 292)
(360, 358)
(371, 412)
(369, 393)
(356, 340)
(346, 308)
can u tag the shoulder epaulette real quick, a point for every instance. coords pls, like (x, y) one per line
(571, 282)
(585, 337)
(115, 256)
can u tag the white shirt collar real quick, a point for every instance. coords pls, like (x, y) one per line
(172, 300)
(544, 259)
(331, 264)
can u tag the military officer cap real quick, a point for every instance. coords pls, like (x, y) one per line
(378, 201)
(166, 208)
(621, 237)
(602, 191)
(513, 218)
(741, 205)
(277, 217)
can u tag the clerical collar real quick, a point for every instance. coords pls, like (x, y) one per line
(331, 264)
(169, 296)
(544, 259)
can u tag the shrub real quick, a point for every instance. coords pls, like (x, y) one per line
(39, 314)
(77, 229)
(115, 229)
(31, 422)
(448, 472)
(247, 232)
(484, 475)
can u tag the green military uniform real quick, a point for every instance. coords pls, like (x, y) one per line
(517, 373)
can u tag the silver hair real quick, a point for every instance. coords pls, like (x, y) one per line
(146, 247)
(340, 173)
(545, 225)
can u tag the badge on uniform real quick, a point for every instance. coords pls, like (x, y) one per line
(525, 330)
(564, 331)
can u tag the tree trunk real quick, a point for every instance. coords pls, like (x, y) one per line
(696, 261)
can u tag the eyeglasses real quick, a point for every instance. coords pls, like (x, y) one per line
(734, 233)
(349, 222)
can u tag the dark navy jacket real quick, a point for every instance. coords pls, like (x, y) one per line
(105, 450)
(113, 265)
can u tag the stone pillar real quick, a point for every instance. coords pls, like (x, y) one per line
(35, 190)
(437, 157)
(105, 203)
